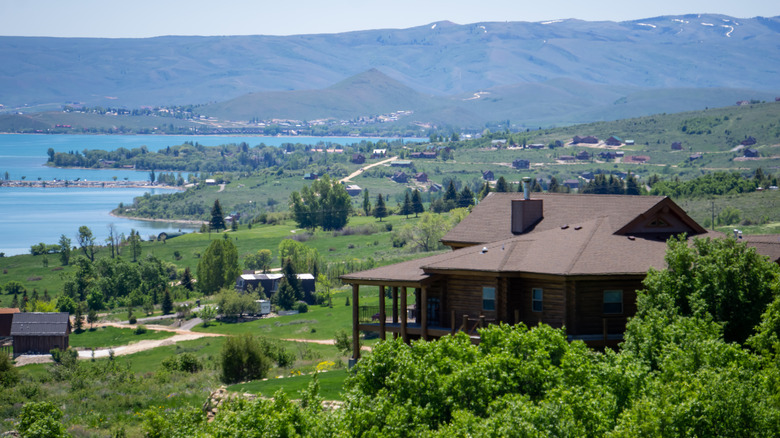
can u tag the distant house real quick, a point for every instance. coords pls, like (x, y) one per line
(310, 175)
(6, 317)
(582, 155)
(614, 141)
(270, 283)
(588, 140)
(536, 146)
(400, 177)
(39, 333)
(211, 182)
(379, 153)
(428, 155)
(572, 183)
(353, 190)
(696, 156)
(630, 142)
(401, 163)
(566, 158)
(608, 155)
(358, 158)
(487, 175)
(677, 146)
(521, 164)
(587, 175)
(750, 141)
(751, 153)
(637, 159)
(498, 143)
(421, 177)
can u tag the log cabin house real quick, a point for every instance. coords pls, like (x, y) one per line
(573, 261)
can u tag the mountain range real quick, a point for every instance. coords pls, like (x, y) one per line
(542, 73)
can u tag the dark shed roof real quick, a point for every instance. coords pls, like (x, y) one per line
(40, 324)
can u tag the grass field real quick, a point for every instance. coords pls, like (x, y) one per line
(331, 385)
(101, 337)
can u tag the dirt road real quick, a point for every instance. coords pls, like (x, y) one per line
(363, 169)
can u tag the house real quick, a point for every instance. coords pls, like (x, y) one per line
(630, 142)
(637, 159)
(752, 153)
(608, 155)
(401, 163)
(487, 175)
(400, 177)
(573, 261)
(358, 159)
(582, 155)
(353, 189)
(521, 164)
(270, 283)
(750, 141)
(310, 175)
(379, 153)
(498, 143)
(588, 175)
(566, 158)
(614, 141)
(536, 146)
(39, 333)
(589, 140)
(421, 177)
(696, 156)
(428, 155)
(571, 183)
(6, 317)
(677, 146)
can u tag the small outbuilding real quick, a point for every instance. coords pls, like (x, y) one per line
(39, 332)
(6, 317)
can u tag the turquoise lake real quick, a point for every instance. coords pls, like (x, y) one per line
(32, 215)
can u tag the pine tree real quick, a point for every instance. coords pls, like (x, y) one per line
(553, 187)
(167, 303)
(501, 185)
(417, 205)
(632, 187)
(217, 218)
(380, 210)
(285, 296)
(79, 319)
(406, 208)
(466, 197)
(292, 279)
(186, 278)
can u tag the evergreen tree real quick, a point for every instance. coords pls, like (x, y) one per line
(536, 187)
(501, 185)
(466, 197)
(292, 279)
(78, 318)
(484, 191)
(217, 218)
(451, 194)
(417, 205)
(167, 303)
(380, 210)
(366, 203)
(615, 185)
(553, 187)
(65, 249)
(186, 279)
(406, 208)
(285, 296)
(135, 244)
(632, 186)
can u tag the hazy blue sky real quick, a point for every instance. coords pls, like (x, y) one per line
(146, 18)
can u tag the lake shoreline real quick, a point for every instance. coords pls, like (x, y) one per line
(87, 184)
(148, 219)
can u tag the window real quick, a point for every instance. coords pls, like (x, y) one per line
(536, 300)
(488, 298)
(613, 301)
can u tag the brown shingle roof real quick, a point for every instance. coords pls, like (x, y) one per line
(766, 244)
(559, 209)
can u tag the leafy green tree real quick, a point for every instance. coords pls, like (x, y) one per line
(207, 314)
(243, 359)
(86, 242)
(259, 261)
(65, 250)
(302, 257)
(406, 207)
(92, 317)
(380, 209)
(366, 202)
(426, 234)
(41, 419)
(417, 205)
(14, 287)
(234, 304)
(217, 217)
(325, 204)
(135, 244)
(218, 266)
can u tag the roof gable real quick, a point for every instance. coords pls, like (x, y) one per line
(40, 324)
(664, 218)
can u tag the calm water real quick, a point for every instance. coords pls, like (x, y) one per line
(32, 215)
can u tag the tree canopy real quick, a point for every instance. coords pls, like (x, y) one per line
(218, 266)
(325, 204)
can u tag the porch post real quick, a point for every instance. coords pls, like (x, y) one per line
(355, 322)
(382, 315)
(395, 309)
(403, 315)
(424, 312)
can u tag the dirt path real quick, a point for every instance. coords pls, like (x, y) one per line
(363, 169)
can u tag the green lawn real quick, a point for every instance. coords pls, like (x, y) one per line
(331, 385)
(102, 337)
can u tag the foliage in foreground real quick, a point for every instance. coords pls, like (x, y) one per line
(674, 376)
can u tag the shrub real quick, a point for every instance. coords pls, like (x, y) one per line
(301, 306)
(185, 362)
(132, 319)
(243, 359)
(41, 420)
(8, 373)
(140, 329)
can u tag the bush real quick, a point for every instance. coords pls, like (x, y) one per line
(41, 420)
(184, 362)
(9, 375)
(301, 306)
(140, 329)
(243, 359)
(132, 319)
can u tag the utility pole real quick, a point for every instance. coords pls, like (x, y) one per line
(713, 215)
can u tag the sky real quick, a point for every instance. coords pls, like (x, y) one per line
(149, 18)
